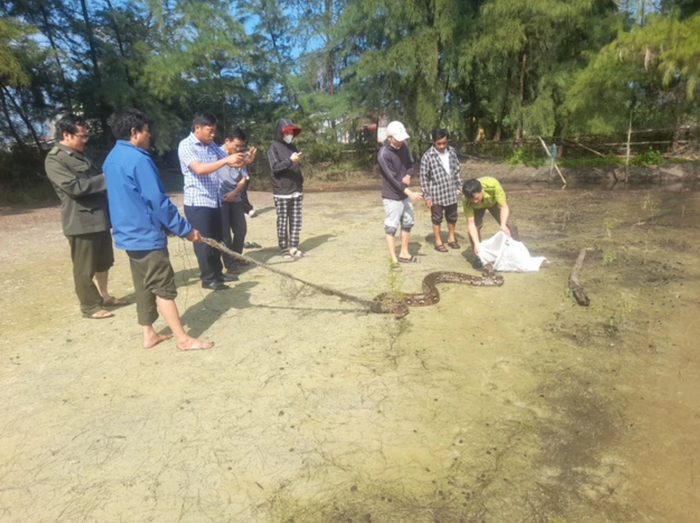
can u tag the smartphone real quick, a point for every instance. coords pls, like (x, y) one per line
(301, 150)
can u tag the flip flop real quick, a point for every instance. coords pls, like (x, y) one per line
(114, 302)
(412, 259)
(454, 245)
(441, 248)
(395, 267)
(99, 315)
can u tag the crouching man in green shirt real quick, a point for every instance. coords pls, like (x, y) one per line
(479, 195)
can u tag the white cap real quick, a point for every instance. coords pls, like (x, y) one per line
(397, 131)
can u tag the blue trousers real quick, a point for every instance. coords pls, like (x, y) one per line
(208, 222)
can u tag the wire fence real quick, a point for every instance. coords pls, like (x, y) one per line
(22, 172)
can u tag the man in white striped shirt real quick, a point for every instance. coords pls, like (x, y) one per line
(200, 159)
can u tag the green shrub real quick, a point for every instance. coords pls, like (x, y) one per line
(649, 157)
(525, 156)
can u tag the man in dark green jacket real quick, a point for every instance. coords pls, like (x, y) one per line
(84, 216)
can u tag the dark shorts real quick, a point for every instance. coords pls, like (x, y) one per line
(153, 275)
(450, 212)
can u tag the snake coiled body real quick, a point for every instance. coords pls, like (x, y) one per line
(398, 304)
(385, 303)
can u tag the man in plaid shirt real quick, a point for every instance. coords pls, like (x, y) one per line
(441, 186)
(200, 159)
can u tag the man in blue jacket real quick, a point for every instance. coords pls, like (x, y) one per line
(142, 213)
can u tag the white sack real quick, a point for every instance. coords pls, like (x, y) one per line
(508, 255)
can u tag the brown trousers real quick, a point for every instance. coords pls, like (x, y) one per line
(90, 253)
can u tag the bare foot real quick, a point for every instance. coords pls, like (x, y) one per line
(194, 344)
(99, 315)
(114, 302)
(152, 341)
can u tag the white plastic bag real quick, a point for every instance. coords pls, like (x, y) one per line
(508, 255)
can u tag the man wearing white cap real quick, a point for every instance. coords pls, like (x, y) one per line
(396, 166)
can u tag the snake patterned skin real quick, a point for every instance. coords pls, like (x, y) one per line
(398, 305)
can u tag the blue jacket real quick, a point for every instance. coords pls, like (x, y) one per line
(141, 211)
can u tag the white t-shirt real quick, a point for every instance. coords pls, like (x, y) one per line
(445, 159)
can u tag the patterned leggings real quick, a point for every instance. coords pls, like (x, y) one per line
(288, 221)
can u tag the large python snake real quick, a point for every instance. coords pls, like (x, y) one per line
(386, 303)
(398, 304)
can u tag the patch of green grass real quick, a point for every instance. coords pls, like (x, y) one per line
(645, 159)
(592, 162)
(40, 193)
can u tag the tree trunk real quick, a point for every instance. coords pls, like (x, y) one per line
(120, 44)
(95, 64)
(627, 156)
(675, 146)
(519, 130)
(504, 108)
(26, 121)
(10, 125)
(559, 122)
(91, 42)
(444, 99)
(330, 73)
(56, 54)
(681, 89)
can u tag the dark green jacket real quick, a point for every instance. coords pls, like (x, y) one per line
(81, 189)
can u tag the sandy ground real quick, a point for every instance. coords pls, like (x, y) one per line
(508, 404)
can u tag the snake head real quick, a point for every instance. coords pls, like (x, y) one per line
(487, 270)
(400, 311)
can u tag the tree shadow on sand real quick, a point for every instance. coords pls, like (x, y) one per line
(313, 243)
(413, 248)
(267, 254)
(201, 316)
(264, 210)
(430, 238)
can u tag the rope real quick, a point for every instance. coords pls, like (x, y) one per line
(368, 304)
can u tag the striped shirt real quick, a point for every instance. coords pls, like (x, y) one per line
(202, 190)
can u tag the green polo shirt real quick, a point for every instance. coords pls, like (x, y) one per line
(493, 194)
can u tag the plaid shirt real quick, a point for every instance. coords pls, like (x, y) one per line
(437, 185)
(200, 191)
